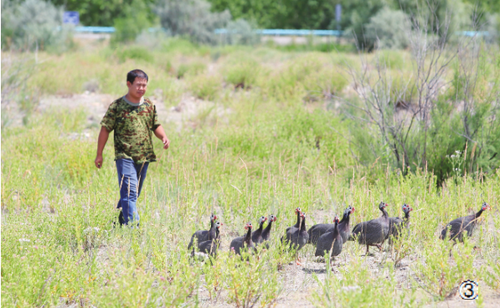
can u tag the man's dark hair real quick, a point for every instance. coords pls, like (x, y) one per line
(136, 73)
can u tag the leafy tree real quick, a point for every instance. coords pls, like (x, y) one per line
(389, 29)
(33, 24)
(357, 14)
(100, 12)
(135, 19)
(287, 14)
(191, 18)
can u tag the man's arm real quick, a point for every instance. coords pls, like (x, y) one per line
(101, 142)
(160, 134)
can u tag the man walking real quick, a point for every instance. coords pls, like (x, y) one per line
(133, 118)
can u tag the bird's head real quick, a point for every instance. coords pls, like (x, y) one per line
(272, 218)
(262, 219)
(382, 205)
(485, 206)
(248, 226)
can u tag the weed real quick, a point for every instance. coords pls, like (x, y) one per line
(205, 87)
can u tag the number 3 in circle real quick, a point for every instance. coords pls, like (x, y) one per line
(469, 290)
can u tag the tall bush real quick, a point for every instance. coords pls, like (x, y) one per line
(418, 120)
(33, 24)
(388, 29)
(191, 18)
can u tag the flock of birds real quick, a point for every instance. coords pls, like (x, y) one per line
(328, 238)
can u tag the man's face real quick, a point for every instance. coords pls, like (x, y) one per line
(138, 88)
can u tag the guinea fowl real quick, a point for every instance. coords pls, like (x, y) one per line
(266, 234)
(297, 224)
(210, 246)
(239, 243)
(467, 223)
(299, 237)
(396, 224)
(293, 228)
(372, 232)
(203, 235)
(344, 227)
(257, 234)
(344, 224)
(331, 240)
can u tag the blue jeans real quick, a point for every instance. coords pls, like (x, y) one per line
(130, 178)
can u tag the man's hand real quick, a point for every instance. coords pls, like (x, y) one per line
(98, 161)
(160, 134)
(166, 142)
(101, 142)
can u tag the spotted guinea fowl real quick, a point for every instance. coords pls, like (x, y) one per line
(344, 227)
(466, 223)
(299, 237)
(372, 232)
(240, 243)
(266, 234)
(257, 234)
(210, 246)
(396, 224)
(331, 240)
(203, 235)
(293, 228)
(297, 224)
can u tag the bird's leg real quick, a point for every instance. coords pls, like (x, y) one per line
(379, 247)
(297, 260)
(367, 249)
(332, 261)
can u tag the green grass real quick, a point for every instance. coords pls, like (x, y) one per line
(268, 155)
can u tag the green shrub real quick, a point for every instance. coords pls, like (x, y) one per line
(390, 59)
(179, 45)
(192, 68)
(331, 47)
(402, 89)
(136, 53)
(439, 274)
(327, 82)
(241, 71)
(205, 87)
(361, 289)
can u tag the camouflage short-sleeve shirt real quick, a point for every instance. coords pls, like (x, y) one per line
(133, 126)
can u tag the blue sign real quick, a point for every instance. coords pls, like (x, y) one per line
(72, 18)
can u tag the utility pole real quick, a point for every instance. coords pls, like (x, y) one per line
(338, 13)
